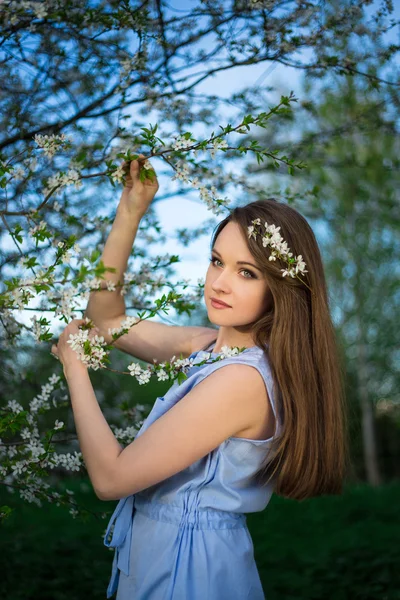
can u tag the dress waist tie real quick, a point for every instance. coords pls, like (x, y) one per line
(120, 540)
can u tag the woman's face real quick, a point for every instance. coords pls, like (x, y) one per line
(242, 286)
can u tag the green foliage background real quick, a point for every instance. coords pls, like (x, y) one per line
(336, 548)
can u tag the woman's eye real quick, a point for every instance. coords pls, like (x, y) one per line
(213, 259)
(252, 276)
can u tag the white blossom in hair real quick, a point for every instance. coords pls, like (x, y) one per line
(274, 240)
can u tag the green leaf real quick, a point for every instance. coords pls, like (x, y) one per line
(94, 255)
(5, 511)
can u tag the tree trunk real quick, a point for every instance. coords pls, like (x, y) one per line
(367, 422)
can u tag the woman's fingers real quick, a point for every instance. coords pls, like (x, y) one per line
(132, 169)
(54, 351)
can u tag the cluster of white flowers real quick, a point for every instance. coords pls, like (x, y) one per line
(65, 304)
(218, 144)
(42, 400)
(125, 435)
(67, 254)
(60, 180)
(147, 165)
(20, 296)
(142, 375)
(42, 226)
(19, 467)
(70, 462)
(110, 285)
(77, 342)
(159, 281)
(35, 447)
(26, 433)
(182, 142)
(14, 406)
(182, 173)
(94, 283)
(12, 451)
(118, 174)
(22, 262)
(37, 328)
(18, 173)
(28, 495)
(40, 277)
(27, 454)
(273, 239)
(51, 144)
(162, 375)
(225, 352)
(127, 323)
(120, 171)
(62, 244)
(210, 198)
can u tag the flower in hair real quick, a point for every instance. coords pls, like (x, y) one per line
(274, 240)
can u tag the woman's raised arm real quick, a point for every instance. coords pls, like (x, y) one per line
(135, 200)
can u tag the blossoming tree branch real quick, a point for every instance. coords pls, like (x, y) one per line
(71, 134)
(51, 280)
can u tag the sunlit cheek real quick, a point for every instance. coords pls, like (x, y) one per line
(210, 276)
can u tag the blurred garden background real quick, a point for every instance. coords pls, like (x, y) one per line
(100, 72)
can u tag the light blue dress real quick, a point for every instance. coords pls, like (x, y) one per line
(186, 538)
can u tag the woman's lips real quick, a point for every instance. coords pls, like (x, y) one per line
(217, 304)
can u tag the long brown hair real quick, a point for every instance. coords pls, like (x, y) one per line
(309, 457)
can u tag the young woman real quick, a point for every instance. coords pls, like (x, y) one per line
(270, 418)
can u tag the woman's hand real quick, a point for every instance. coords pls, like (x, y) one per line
(63, 351)
(137, 195)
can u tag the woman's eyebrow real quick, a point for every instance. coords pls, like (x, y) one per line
(239, 262)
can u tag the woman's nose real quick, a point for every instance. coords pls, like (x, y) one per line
(221, 282)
